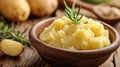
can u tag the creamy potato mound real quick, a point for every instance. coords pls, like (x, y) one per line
(87, 35)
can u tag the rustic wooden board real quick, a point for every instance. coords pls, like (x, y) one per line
(117, 53)
(30, 57)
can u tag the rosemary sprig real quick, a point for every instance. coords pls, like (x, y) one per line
(9, 32)
(70, 13)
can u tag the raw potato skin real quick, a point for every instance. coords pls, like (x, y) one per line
(17, 10)
(42, 7)
(11, 48)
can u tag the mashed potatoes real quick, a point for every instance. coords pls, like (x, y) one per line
(89, 34)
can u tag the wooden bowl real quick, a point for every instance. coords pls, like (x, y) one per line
(72, 58)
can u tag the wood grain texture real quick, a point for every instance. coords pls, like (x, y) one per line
(30, 57)
(117, 53)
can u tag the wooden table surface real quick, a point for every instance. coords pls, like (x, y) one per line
(30, 57)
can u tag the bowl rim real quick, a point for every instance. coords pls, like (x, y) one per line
(114, 44)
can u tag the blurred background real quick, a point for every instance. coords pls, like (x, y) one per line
(22, 10)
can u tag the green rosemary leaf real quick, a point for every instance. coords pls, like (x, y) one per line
(80, 17)
(9, 32)
(78, 12)
(70, 13)
(73, 6)
(12, 26)
(23, 31)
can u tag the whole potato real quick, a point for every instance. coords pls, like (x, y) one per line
(42, 7)
(10, 47)
(17, 10)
